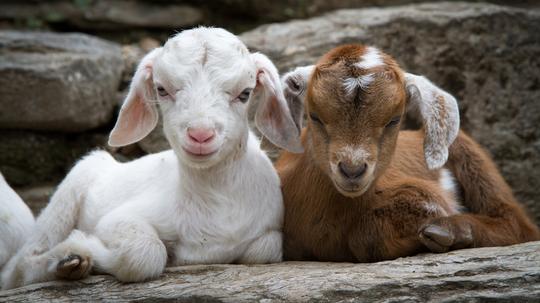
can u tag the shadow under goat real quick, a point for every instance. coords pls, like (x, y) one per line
(363, 190)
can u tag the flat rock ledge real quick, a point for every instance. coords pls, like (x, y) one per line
(487, 274)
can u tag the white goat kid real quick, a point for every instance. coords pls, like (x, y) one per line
(213, 198)
(16, 222)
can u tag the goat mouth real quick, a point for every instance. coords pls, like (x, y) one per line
(200, 154)
(353, 191)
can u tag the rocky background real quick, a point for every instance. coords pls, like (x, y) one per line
(65, 66)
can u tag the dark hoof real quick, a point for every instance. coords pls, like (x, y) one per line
(73, 267)
(436, 238)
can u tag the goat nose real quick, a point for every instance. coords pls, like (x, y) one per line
(201, 135)
(352, 171)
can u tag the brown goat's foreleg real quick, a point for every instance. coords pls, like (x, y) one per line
(390, 230)
(495, 217)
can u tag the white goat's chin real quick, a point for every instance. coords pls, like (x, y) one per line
(200, 157)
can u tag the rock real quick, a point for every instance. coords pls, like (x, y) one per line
(103, 15)
(28, 158)
(36, 197)
(132, 55)
(60, 82)
(488, 56)
(509, 274)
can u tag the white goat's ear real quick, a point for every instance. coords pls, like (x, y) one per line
(273, 117)
(440, 114)
(138, 116)
(294, 88)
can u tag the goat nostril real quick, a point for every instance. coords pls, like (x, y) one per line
(352, 171)
(201, 135)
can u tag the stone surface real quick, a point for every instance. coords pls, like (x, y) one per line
(501, 274)
(101, 14)
(113, 18)
(61, 82)
(28, 158)
(132, 55)
(488, 56)
(36, 197)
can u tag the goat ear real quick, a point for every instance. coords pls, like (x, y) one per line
(440, 114)
(137, 117)
(294, 88)
(273, 117)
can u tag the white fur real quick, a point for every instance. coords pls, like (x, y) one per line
(370, 59)
(127, 217)
(449, 185)
(352, 154)
(16, 222)
(362, 82)
(435, 209)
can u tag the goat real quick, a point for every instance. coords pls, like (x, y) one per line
(16, 222)
(363, 191)
(214, 198)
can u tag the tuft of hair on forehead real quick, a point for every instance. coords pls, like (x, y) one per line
(221, 54)
(203, 44)
(358, 68)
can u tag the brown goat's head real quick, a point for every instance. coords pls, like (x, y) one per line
(355, 98)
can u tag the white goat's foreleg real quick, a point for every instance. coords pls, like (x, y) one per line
(127, 248)
(265, 249)
(52, 227)
(136, 252)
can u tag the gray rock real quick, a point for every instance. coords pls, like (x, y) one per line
(36, 197)
(132, 54)
(28, 158)
(62, 82)
(103, 15)
(488, 56)
(112, 18)
(502, 274)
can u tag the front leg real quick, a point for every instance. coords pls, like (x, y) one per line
(390, 229)
(135, 251)
(265, 249)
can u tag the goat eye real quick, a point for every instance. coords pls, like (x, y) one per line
(244, 96)
(315, 118)
(293, 84)
(393, 122)
(161, 91)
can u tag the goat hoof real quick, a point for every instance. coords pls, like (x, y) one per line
(436, 238)
(73, 267)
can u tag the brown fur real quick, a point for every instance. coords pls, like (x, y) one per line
(393, 215)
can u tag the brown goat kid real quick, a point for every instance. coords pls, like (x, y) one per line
(363, 190)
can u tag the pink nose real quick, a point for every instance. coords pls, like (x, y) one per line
(201, 135)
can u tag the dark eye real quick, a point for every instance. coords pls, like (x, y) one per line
(315, 118)
(244, 96)
(293, 84)
(161, 91)
(393, 122)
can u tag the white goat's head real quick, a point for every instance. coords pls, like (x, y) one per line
(202, 80)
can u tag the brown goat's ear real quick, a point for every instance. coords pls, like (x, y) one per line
(137, 117)
(273, 117)
(294, 89)
(440, 114)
